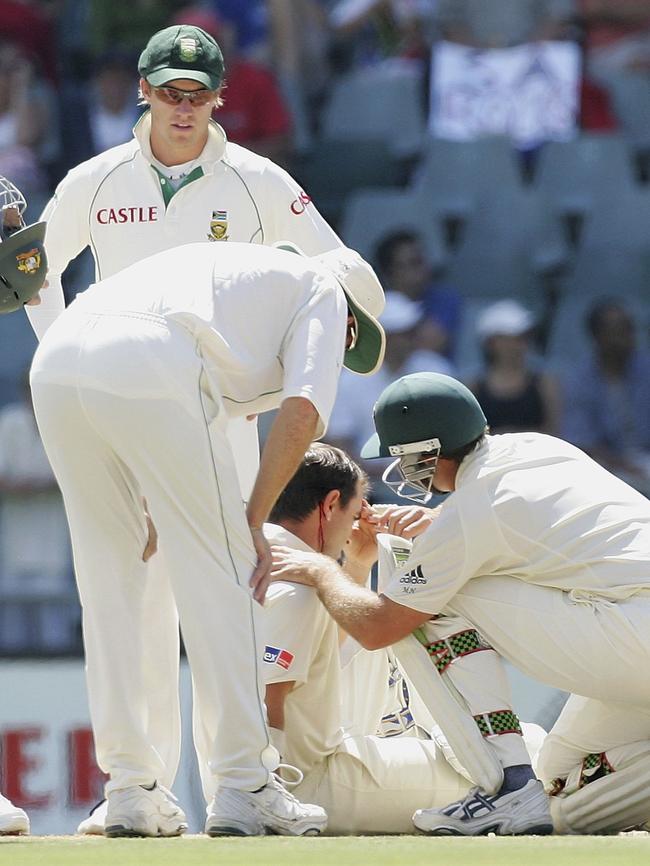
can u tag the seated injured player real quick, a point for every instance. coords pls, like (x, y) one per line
(338, 724)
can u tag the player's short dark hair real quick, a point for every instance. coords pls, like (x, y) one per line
(323, 468)
(385, 249)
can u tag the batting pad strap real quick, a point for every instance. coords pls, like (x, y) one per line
(443, 652)
(498, 722)
(594, 766)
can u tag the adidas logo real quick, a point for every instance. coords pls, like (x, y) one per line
(414, 576)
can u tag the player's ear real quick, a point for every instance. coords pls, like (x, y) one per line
(330, 501)
(145, 89)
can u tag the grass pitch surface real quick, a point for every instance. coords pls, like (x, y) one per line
(628, 850)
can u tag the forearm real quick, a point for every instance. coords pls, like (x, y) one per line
(357, 571)
(290, 435)
(50, 308)
(355, 608)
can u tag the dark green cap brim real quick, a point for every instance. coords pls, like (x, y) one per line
(368, 353)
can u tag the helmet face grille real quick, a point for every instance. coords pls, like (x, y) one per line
(10, 198)
(411, 476)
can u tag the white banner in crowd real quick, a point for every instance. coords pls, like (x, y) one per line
(529, 92)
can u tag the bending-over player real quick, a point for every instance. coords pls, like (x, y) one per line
(548, 556)
(133, 386)
(367, 784)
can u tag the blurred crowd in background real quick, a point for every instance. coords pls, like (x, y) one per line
(512, 240)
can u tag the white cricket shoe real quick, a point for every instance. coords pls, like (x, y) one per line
(13, 821)
(138, 811)
(271, 810)
(518, 813)
(94, 824)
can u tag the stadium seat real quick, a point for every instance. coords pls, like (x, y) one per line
(630, 94)
(575, 175)
(455, 174)
(334, 169)
(384, 102)
(509, 244)
(614, 252)
(371, 214)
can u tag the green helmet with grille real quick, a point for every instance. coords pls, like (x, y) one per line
(419, 418)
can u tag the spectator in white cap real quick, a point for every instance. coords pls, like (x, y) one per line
(351, 421)
(516, 395)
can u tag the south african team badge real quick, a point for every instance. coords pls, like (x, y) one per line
(218, 226)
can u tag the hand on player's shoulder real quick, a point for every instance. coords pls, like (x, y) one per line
(298, 566)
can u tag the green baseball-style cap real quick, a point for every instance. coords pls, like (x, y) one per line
(182, 51)
(423, 406)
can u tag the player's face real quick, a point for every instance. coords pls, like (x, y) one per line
(339, 527)
(352, 331)
(180, 125)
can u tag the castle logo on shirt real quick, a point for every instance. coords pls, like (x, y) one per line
(118, 215)
(218, 226)
(299, 205)
(275, 656)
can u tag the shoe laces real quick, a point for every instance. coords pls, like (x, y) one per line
(167, 792)
(459, 804)
(278, 782)
(288, 783)
(168, 806)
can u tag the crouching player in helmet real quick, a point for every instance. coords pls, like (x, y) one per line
(546, 557)
(22, 273)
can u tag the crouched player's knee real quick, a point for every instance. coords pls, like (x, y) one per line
(604, 792)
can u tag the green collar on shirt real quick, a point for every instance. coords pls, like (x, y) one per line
(168, 190)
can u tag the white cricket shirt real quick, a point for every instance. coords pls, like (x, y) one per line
(535, 508)
(302, 646)
(268, 324)
(125, 210)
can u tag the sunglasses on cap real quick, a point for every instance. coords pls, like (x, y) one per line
(174, 96)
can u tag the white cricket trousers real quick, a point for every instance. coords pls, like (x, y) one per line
(575, 641)
(126, 411)
(375, 784)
